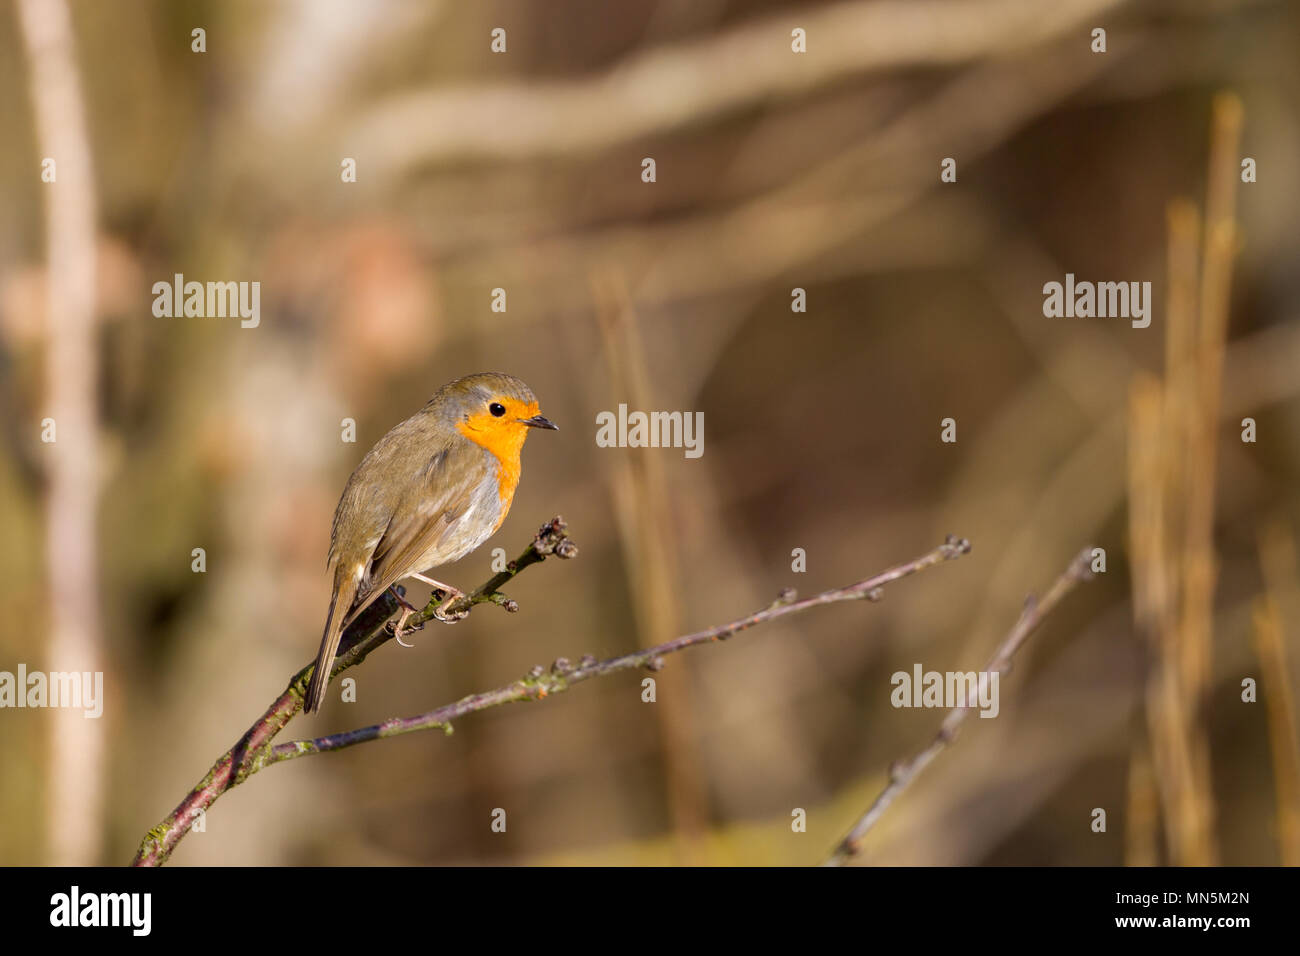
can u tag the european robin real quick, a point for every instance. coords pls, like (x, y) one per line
(431, 491)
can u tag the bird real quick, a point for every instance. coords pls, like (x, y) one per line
(429, 492)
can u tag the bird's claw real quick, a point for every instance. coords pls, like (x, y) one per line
(399, 628)
(459, 615)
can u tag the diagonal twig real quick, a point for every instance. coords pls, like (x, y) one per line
(540, 683)
(903, 772)
(256, 751)
(250, 752)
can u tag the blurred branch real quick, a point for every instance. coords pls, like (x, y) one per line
(75, 797)
(902, 773)
(1142, 808)
(831, 219)
(652, 559)
(688, 83)
(1270, 622)
(253, 750)
(1173, 460)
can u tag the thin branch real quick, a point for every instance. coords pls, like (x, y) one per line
(902, 773)
(540, 683)
(255, 750)
(368, 632)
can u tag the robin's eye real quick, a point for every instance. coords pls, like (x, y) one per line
(497, 409)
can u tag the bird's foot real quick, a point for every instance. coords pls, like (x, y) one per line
(399, 629)
(450, 595)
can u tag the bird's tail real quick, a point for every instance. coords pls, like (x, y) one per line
(345, 589)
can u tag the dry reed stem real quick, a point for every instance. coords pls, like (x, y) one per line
(1269, 628)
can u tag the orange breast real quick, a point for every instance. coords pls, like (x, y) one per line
(507, 482)
(505, 444)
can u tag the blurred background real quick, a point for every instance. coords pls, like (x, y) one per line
(775, 170)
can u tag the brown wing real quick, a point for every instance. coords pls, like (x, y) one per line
(425, 520)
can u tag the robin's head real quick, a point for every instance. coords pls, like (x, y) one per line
(491, 409)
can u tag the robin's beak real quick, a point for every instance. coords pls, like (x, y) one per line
(537, 421)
